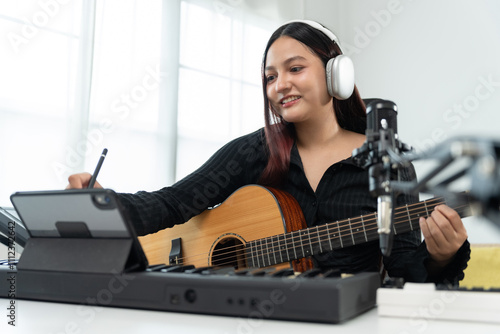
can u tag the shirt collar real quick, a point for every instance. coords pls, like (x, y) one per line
(295, 158)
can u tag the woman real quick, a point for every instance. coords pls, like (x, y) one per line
(305, 149)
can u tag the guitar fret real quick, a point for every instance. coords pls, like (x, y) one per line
(364, 228)
(257, 255)
(320, 236)
(256, 259)
(350, 228)
(294, 248)
(268, 252)
(263, 255)
(286, 248)
(254, 256)
(301, 244)
(356, 225)
(340, 235)
(329, 238)
(304, 251)
(311, 243)
(270, 246)
(319, 240)
(248, 253)
(427, 211)
(274, 243)
(409, 218)
(281, 247)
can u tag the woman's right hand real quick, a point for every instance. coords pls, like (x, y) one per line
(80, 180)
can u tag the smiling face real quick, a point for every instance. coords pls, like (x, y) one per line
(296, 82)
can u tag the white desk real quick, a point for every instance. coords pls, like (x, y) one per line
(56, 318)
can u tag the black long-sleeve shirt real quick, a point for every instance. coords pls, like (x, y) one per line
(341, 193)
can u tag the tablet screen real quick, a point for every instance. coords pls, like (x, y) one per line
(71, 213)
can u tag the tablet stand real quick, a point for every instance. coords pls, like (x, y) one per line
(89, 255)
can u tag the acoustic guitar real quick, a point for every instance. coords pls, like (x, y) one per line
(258, 227)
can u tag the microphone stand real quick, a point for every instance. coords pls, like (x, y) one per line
(481, 169)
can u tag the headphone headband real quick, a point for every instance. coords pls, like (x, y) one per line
(321, 28)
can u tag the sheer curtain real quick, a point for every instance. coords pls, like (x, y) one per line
(124, 101)
(220, 94)
(161, 83)
(43, 59)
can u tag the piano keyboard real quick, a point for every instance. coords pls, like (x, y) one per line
(312, 296)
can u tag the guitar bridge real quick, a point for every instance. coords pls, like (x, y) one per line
(175, 256)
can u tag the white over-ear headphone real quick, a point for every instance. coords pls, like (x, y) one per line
(339, 70)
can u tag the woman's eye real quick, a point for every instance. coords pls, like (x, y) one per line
(295, 69)
(270, 78)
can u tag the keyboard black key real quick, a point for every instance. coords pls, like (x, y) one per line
(177, 269)
(198, 270)
(157, 267)
(311, 273)
(332, 273)
(262, 271)
(218, 271)
(242, 272)
(283, 272)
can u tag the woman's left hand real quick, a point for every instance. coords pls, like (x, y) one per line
(444, 234)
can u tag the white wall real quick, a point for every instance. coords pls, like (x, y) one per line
(438, 60)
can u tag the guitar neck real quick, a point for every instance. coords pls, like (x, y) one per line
(340, 234)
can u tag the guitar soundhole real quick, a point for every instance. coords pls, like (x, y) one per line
(229, 252)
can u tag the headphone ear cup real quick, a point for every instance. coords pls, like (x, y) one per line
(340, 77)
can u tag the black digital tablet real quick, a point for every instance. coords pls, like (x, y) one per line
(88, 226)
(11, 224)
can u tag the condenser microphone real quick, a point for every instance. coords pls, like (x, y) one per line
(378, 111)
(381, 137)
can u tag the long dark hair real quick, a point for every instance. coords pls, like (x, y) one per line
(280, 135)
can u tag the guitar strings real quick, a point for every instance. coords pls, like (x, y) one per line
(267, 254)
(295, 236)
(292, 240)
(261, 253)
(315, 237)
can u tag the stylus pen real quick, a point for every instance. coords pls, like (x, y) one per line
(97, 168)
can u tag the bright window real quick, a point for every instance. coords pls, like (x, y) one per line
(40, 64)
(220, 94)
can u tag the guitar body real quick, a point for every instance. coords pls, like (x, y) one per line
(252, 212)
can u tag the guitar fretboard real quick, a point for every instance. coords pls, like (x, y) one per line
(340, 234)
